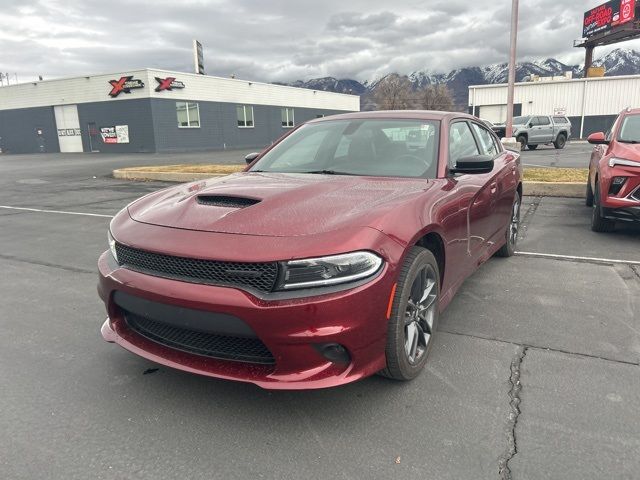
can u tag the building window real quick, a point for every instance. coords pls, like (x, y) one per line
(245, 116)
(188, 115)
(287, 118)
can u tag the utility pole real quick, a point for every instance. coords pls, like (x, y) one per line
(509, 141)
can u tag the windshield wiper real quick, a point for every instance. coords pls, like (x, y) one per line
(629, 141)
(328, 172)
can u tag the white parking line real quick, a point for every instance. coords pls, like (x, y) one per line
(6, 207)
(606, 261)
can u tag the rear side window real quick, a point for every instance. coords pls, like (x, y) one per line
(544, 121)
(487, 145)
(560, 120)
(461, 143)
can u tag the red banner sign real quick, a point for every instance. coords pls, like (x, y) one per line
(604, 17)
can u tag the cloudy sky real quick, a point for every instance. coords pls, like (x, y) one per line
(281, 40)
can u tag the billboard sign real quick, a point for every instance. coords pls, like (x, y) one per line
(603, 18)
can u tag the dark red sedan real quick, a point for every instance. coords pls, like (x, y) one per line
(329, 259)
(613, 189)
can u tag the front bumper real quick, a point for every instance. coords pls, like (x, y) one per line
(292, 329)
(622, 214)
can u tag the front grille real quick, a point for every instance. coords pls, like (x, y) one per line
(258, 276)
(241, 349)
(226, 202)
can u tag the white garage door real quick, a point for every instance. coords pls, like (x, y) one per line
(493, 113)
(68, 125)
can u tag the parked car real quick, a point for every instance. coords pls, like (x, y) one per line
(329, 259)
(613, 189)
(533, 130)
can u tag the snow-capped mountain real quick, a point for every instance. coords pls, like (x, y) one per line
(618, 62)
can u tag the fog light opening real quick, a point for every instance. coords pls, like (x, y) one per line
(334, 352)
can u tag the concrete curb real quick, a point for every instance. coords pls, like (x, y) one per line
(533, 189)
(548, 189)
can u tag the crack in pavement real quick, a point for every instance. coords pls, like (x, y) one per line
(526, 218)
(47, 264)
(538, 347)
(504, 472)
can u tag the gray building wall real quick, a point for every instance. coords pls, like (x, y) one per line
(219, 126)
(153, 127)
(18, 130)
(135, 113)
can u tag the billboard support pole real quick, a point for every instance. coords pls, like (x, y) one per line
(509, 140)
(588, 59)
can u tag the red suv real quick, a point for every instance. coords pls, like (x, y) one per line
(613, 189)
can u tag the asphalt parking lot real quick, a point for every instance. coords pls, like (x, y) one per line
(574, 155)
(534, 373)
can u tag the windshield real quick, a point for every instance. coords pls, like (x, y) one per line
(372, 147)
(630, 130)
(520, 120)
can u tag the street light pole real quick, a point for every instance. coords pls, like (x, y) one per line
(512, 72)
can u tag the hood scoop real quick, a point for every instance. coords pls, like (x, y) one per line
(225, 201)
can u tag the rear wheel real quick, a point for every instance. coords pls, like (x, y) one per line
(414, 315)
(509, 247)
(598, 222)
(532, 147)
(560, 142)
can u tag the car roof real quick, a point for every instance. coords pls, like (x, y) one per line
(397, 114)
(631, 111)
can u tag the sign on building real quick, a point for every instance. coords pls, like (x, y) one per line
(115, 134)
(168, 83)
(124, 84)
(198, 57)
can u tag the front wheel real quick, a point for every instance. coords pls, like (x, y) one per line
(414, 315)
(598, 222)
(522, 140)
(588, 201)
(509, 247)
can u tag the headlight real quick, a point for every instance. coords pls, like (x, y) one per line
(325, 271)
(112, 245)
(621, 161)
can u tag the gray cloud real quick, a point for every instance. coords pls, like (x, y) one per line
(280, 40)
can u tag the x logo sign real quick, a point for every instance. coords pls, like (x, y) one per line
(118, 86)
(168, 83)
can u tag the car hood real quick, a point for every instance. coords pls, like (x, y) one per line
(627, 151)
(285, 204)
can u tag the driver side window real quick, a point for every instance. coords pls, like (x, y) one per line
(461, 143)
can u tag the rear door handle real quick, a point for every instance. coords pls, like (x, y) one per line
(494, 187)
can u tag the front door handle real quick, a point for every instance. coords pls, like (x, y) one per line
(494, 187)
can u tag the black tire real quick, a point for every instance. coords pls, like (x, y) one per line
(511, 235)
(399, 364)
(561, 141)
(522, 140)
(598, 222)
(532, 147)
(588, 201)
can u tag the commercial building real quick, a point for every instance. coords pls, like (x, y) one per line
(155, 111)
(591, 104)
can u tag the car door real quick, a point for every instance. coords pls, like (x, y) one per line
(477, 192)
(533, 128)
(545, 129)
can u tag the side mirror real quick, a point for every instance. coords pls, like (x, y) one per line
(597, 138)
(474, 164)
(251, 157)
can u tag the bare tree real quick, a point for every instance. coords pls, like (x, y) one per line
(393, 92)
(435, 97)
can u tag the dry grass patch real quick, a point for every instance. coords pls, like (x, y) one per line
(556, 175)
(202, 168)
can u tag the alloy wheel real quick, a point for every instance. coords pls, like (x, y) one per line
(420, 314)
(515, 222)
